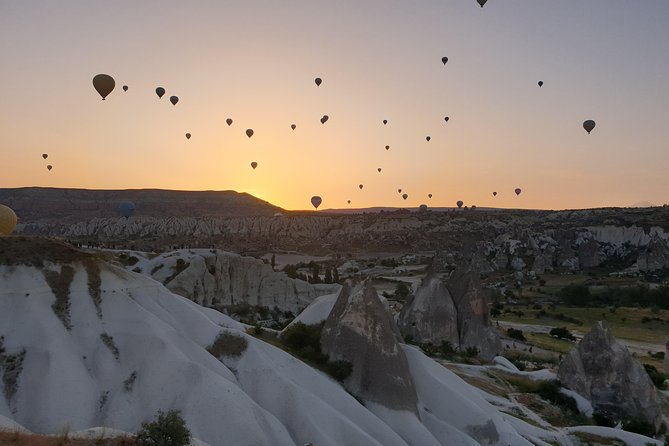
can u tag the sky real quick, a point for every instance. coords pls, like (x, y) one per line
(255, 62)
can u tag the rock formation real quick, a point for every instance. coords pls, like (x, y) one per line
(360, 330)
(605, 372)
(214, 277)
(455, 312)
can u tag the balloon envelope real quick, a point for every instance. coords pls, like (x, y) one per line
(228, 121)
(104, 84)
(127, 208)
(429, 195)
(49, 167)
(174, 100)
(459, 203)
(444, 60)
(360, 186)
(427, 138)
(324, 119)
(446, 118)
(45, 156)
(254, 165)
(187, 135)
(387, 147)
(541, 83)
(405, 196)
(589, 125)
(399, 191)
(385, 121)
(8, 220)
(518, 191)
(481, 2)
(379, 169)
(494, 194)
(293, 126)
(316, 201)
(160, 91)
(249, 132)
(125, 88)
(318, 81)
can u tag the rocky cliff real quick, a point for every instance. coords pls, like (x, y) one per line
(213, 277)
(455, 312)
(605, 372)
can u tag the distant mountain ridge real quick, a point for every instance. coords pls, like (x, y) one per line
(38, 203)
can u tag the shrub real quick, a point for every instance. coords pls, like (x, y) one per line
(639, 426)
(169, 429)
(550, 390)
(562, 333)
(227, 344)
(339, 370)
(656, 376)
(516, 334)
(575, 295)
(402, 290)
(603, 418)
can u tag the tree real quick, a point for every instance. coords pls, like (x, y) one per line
(401, 290)
(335, 275)
(169, 429)
(328, 276)
(575, 295)
(273, 261)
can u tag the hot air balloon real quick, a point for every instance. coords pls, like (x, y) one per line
(104, 84)
(459, 203)
(444, 60)
(254, 165)
(429, 195)
(8, 220)
(481, 2)
(427, 138)
(387, 147)
(293, 126)
(349, 201)
(379, 169)
(385, 121)
(174, 100)
(49, 167)
(589, 125)
(127, 208)
(324, 119)
(187, 135)
(160, 91)
(540, 83)
(249, 132)
(360, 186)
(125, 88)
(422, 208)
(405, 196)
(228, 121)
(494, 194)
(399, 191)
(316, 201)
(517, 191)
(446, 118)
(318, 81)
(45, 155)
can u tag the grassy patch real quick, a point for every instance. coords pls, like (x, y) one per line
(227, 344)
(12, 366)
(108, 341)
(60, 285)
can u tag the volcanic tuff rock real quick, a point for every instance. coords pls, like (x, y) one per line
(215, 278)
(455, 312)
(360, 330)
(604, 371)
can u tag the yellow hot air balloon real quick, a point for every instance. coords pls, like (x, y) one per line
(8, 220)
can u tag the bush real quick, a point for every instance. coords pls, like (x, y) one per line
(227, 344)
(169, 429)
(575, 295)
(562, 333)
(656, 376)
(550, 390)
(339, 370)
(639, 426)
(604, 419)
(516, 334)
(402, 290)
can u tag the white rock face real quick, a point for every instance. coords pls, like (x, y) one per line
(215, 277)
